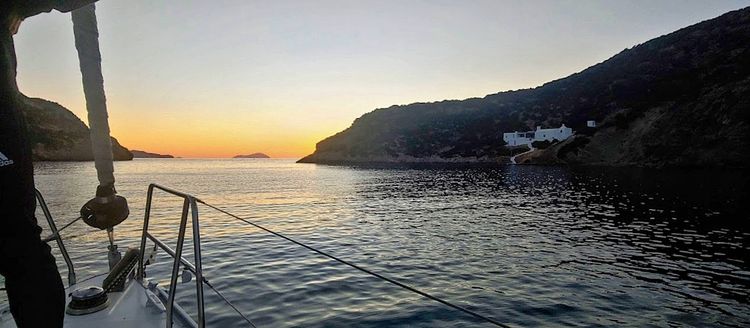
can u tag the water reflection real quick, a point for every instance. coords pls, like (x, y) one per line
(526, 245)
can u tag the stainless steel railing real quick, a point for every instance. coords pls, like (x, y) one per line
(189, 206)
(56, 236)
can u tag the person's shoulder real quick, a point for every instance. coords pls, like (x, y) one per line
(27, 8)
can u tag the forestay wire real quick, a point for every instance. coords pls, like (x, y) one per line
(375, 274)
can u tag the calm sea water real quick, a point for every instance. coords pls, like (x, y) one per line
(525, 245)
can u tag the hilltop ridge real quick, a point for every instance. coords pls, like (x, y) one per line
(56, 134)
(681, 99)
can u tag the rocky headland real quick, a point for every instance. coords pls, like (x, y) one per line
(681, 99)
(56, 134)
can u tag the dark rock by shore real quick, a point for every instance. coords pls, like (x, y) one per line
(145, 154)
(253, 155)
(56, 134)
(677, 100)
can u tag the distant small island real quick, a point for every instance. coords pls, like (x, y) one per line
(145, 154)
(253, 155)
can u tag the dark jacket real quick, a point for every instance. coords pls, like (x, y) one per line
(35, 290)
(17, 201)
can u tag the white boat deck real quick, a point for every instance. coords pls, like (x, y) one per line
(129, 308)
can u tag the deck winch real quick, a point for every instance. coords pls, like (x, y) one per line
(87, 300)
(93, 298)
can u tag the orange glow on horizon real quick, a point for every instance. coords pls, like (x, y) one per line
(216, 147)
(219, 137)
(203, 133)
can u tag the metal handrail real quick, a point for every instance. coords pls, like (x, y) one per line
(56, 236)
(189, 205)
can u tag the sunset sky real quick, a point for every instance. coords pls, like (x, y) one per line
(220, 78)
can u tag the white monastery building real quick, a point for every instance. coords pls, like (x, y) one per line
(526, 138)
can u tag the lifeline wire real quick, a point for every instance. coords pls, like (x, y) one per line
(412, 289)
(57, 234)
(229, 303)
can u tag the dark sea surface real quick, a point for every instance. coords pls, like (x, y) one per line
(525, 245)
